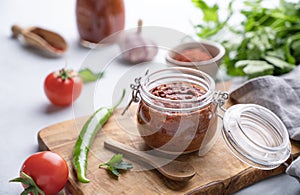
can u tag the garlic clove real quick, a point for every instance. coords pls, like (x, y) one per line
(135, 48)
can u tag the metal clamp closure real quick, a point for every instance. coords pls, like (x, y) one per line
(220, 99)
(135, 94)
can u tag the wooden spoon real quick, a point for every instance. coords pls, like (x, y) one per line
(172, 169)
(40, 38)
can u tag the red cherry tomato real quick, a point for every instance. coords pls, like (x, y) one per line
(48, 170)
(63, 87)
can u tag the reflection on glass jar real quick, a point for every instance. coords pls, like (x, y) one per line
(176, 112)
(97, 19)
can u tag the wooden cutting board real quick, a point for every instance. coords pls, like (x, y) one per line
(218, 172)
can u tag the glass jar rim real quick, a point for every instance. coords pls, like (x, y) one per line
(192, 75)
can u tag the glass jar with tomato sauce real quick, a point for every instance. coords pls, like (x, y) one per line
(97, 19)
(176, 111)
(180, 112)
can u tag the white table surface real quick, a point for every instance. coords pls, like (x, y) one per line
(24, 108)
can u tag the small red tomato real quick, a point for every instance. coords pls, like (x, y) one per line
(63, 87)
(48, 170)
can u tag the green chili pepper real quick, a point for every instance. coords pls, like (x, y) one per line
(86, 137)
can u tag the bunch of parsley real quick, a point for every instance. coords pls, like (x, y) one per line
(265, 42)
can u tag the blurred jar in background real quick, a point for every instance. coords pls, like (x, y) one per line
(97, 19)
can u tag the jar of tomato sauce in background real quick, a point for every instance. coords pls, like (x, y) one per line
(97, 19)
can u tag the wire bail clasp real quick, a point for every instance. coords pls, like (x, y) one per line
(220, 98)
(135, 94)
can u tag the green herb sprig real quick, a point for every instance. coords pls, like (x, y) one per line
(31, 186)
(265, 42)
(115, 164)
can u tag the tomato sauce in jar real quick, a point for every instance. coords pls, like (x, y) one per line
(176, 114)
(97, 19)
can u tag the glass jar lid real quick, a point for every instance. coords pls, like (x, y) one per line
(255, 135)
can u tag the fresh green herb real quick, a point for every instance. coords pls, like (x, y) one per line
(115, 164)
(88, 76)
(265, 37)
(212, 24)
(255, 68)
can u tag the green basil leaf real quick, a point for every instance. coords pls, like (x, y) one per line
(281, 66)
(115, 172)
(116, 163)
(210, 13)
(88, 76)
(279, 63)
(116, 159)
(123, 165)
(255, 68)
(290, 58)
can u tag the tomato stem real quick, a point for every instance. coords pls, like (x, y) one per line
(31, 186)
(65, 74)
